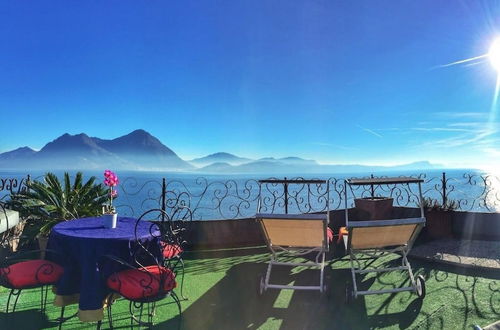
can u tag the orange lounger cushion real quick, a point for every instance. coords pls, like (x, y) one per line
(343, 231)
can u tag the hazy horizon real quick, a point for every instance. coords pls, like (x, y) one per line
(385, 83)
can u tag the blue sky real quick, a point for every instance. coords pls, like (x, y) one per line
(336, 81)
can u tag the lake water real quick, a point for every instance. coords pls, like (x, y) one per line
(237, 196)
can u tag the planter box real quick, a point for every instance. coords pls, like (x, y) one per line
(8, 219)
(11, 228)
(373, 208)
(438, 224)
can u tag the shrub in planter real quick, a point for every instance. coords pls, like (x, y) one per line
(438, 218)
(49, 202)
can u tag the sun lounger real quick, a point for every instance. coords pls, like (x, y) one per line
(295, 236)
(372, 239)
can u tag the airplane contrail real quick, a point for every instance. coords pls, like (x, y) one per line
(370, 131)
(461, 61)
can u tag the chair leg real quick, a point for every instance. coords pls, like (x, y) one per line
(110, 316)
(11, 292)
(61, 318)
(178, 302)
(182, 278)
(99, 324)
(17, 294)
(43, 298)
(133, 318)
(150, 316)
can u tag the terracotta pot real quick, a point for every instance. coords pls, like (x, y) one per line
(438, 224)
(374, 208)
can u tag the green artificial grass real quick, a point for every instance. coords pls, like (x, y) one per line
(222, 291)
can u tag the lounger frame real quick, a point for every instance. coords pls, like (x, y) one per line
(377, 252)
(393, 245)
(286, 249)
(279, 253)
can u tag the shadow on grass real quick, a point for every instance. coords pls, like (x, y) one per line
(200, 262)
(25, 320)
(234, 303)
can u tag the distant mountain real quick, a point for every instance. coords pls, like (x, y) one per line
(422, 165)
(275, 166)
(145, 150)
(19, 152)
(16, 158)
(290, 161)
(219, 157)
(217, 168)
(138, 150)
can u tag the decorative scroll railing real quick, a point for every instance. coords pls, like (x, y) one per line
(9, 186)
(238, 198)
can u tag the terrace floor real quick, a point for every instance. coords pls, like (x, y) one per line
(222, 291)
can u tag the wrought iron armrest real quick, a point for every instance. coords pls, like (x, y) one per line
(122, 262)
(116, 260)
(24, 256)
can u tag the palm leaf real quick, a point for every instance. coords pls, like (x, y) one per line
(50, 203)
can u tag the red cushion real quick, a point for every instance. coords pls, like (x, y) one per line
(142, 283)
(329, 234)
(170, 250)
(31, 273)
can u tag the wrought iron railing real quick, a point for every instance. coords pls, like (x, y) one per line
(12, 185)
(238, 198)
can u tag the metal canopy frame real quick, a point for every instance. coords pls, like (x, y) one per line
(280, 253)
(417, 284)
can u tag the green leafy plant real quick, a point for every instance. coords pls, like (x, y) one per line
(49, 202)
(431, 204)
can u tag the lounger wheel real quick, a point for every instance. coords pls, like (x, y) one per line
(420, 286)
(325, 292)
(349, 294)
(262, 285)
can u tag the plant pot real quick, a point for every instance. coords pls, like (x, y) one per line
(373, 208)
(4, 252)
(42, 244)
(16, 233)
(110, 220)
(438, 224)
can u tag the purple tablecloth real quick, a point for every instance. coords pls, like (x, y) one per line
(84, 241)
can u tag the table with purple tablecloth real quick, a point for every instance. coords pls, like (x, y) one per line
(84, 242)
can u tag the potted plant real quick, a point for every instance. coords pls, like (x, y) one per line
(49, 202)
(438, 218)
(373, 208)
(108, 210)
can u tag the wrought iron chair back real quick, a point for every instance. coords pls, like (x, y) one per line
(175, 226)
(154, 274)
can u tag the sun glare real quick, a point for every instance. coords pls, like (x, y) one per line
(494, 54)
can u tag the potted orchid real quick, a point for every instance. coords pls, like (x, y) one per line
(109, 211)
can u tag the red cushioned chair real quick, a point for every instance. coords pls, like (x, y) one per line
(22, 271)
(19, 272)
(147, 284)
